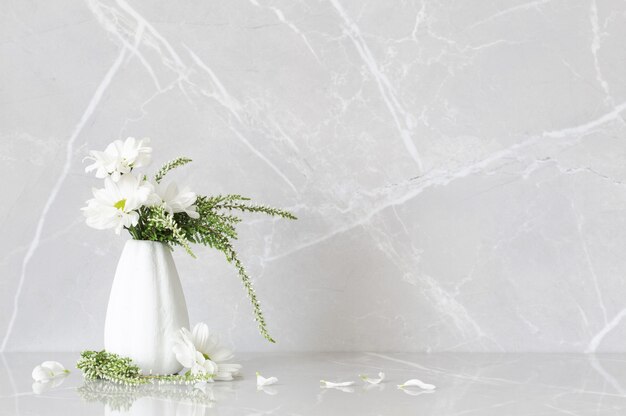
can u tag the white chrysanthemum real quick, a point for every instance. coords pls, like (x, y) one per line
(115, 206)
(175, 200)
(187, 354)
(198, 348)
(135, 153)
(104, 163)
(208, 344)
(119, 158)
(184, 349)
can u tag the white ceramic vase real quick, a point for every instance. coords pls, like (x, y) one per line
(146, 307)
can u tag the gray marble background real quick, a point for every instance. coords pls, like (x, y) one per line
(458, 167)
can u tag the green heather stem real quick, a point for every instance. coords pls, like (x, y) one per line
(231, 256)
(172, 164)
(102, 365)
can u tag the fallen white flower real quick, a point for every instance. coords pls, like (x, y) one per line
(417, 383)
(48, 370)
(203, 366)
(330, 384)
(208, 344)
(187, 355)
(200, 350)
(365, 378)
(262, 381)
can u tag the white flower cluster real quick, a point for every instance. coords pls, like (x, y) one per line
(118, 204)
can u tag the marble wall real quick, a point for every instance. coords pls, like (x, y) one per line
(458, 167)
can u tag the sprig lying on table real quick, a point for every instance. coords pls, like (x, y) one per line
(102, 365)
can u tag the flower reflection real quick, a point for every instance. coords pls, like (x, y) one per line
(374, 387)
(154, 399)
(40, 387)
(268, 390)
(417, 392)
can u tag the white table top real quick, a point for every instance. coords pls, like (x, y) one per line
(467, 384)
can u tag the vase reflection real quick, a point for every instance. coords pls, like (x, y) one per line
(155, 399)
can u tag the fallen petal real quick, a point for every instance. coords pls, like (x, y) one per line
(332, 385)
(365, 378)
(55, 366)
(262, 381)
(417, 383)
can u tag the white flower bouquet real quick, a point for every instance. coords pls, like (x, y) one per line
(152, 210)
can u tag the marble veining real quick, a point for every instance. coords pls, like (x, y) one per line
(457, 168)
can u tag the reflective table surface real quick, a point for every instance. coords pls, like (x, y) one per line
(467, 384)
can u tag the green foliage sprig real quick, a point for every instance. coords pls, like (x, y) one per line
(214, 228)
(102, 365)
(172, 164)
